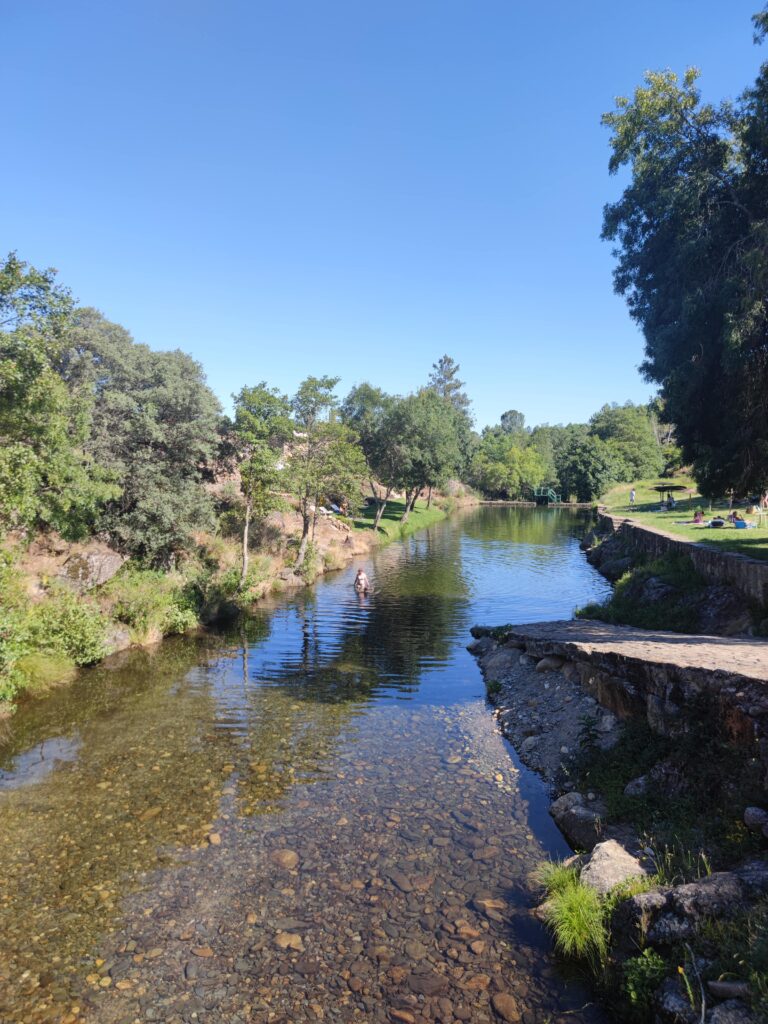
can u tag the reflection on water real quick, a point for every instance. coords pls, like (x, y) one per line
(144, 809)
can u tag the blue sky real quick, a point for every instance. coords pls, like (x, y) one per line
(347, 186)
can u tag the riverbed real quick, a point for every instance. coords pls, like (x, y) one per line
(309, 817)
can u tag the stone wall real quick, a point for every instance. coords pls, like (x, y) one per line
(746, 575)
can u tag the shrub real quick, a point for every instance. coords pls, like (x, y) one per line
(642, 976)
(66, 624)
(152, 603)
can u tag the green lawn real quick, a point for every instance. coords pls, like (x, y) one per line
(390, 524)
(746, 542)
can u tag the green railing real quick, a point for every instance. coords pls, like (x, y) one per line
(546, 496)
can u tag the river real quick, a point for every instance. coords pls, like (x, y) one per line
(309, 817)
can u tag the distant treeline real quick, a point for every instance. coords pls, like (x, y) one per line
(100, 435)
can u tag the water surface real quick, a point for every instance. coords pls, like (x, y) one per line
(310, 817)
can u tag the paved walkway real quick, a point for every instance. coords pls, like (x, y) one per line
(729, 656)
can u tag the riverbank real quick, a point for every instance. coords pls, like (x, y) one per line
(67, 607)
(670, 820)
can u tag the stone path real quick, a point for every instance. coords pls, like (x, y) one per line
(728, 657)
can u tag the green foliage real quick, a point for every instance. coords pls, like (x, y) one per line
(738, 950)
(46, 477)
(69, 625)
(689, 231)
(673, 606)
(643, 974)
(151, 603)
(492, 687)
(575, 914)
(154, 429)
(628, 431)
(310, 566)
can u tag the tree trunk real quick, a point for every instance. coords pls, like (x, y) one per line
(380, 510)
(305, 525)
(429, 499)
(416, 494)
(246, 527)
(407, 510)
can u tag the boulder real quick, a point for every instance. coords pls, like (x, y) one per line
(609, 865)
(551, 663)
(637, 787)
(580, 824)
(756, 819)
(482, 646)
(733, 1011)
(614, 568)
(673, 1005)
(89, 569)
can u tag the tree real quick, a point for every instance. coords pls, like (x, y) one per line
(46, 479)
(262, 427)
(444, 381)
(512, 422)
(690, 232)
(629, 432)
(324, 457)
(587, 468)
(424, 437)
(366, 410)
(154, 429)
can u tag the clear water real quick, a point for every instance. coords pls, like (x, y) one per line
(301, 819)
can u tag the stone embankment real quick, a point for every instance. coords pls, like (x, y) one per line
(545, 678)
(747, 576)
(631, 671)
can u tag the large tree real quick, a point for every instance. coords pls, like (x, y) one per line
(46, 478)
(367, 410)
(154, 429)
(691, 234)
(629, 432)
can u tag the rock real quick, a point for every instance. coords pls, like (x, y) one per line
(614, 568)
(287, 859)
(607, 723)
(609, 865)
(288, 940)
(214, 839)
(482, 646)
(89, 569)
(506, 1006)
(117, 638)
(637, 787)
(729, 989)
(202, 951)
(402, 1015)
(529, 744)
(431, 984)
(756, 819)
(525, 659)
(551, 663)
(672, 1005)
(581, 825)
(731, 1012)
(402, 881)
(722, 611)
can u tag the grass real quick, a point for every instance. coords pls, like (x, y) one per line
(753, 543)
(628, 606)
(689, 841)
(575, 914)
(390, 524)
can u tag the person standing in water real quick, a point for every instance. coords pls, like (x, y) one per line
(362, 583)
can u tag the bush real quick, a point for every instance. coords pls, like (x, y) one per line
(642, 976)
(151, 603)
(66, 624)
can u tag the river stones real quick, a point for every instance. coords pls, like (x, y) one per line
(506, 1006)
(287, 859)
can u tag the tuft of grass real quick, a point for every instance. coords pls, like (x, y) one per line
(492, 687)
(576, 916)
